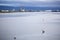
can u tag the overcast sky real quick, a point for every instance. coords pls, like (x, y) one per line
(31, 2)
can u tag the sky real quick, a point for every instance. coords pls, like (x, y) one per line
(31, 2)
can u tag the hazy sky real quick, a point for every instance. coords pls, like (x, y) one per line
(30, 0)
